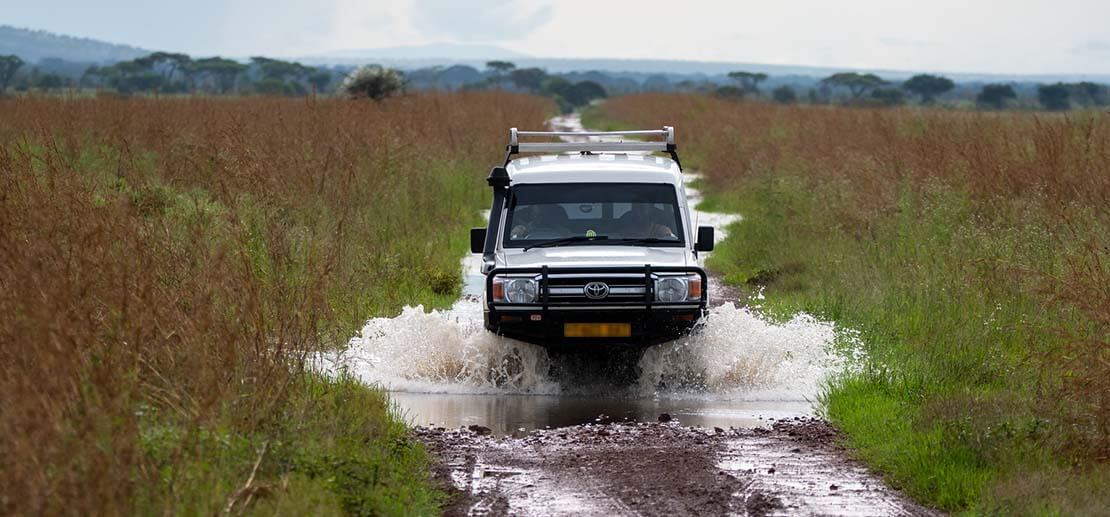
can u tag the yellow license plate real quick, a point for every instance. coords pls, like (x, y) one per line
(597, 329)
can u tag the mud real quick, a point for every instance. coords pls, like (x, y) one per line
(636, 468)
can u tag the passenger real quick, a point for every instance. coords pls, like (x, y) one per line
(643, 221)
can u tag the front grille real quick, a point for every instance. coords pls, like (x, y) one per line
(572, 288)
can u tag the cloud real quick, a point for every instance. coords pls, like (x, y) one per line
(479, 21)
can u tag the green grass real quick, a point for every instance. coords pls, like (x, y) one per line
(340, 449)
(949, 401)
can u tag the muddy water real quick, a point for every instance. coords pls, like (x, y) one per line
(738, 370)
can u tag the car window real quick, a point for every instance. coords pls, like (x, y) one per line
(609, 211)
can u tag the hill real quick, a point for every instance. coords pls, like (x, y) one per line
(34, 45)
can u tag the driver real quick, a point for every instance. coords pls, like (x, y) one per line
(530, 218)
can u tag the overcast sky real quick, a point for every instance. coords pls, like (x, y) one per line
(993, 36)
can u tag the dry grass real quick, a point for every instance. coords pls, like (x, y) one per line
(171, 262)
(972, 248)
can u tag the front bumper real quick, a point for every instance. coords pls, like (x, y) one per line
(543, 322)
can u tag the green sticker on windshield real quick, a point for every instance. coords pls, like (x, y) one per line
(591, 233)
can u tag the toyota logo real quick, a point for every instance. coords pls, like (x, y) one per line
(596, 290)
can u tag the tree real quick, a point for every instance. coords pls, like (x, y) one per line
(499, 69)
(373, 82)
(8, 66)
(784, 94)
(995, 96)
(656, 83)
(49, 82)
(224, 73)
(281, 70)
(749, 81)
(888, 96)
(583, 92)
(1089, 94)
(170, 63)
(729, 91)
(530, 79)
(1055, 97)
(857, 84)
(928, 86)
(320, 79)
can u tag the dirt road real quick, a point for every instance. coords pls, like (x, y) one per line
(628, 468)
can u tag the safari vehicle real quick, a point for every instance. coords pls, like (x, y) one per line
(591, 242)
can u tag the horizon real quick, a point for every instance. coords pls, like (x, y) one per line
(1067, 37)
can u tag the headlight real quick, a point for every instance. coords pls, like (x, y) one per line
(678, 288)
(671, 289)
(514, 290)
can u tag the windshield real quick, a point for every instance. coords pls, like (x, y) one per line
(593, 213)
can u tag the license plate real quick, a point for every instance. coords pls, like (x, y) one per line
(597, 329)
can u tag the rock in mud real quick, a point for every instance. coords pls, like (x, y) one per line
(480, 430)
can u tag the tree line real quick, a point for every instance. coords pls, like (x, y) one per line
(176, 73)
(869, 89)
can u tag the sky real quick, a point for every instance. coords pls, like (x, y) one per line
(974, 36)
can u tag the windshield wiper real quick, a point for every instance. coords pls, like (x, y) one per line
(566, 240)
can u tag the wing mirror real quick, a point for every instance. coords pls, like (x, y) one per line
(705, 239)
(478, 240)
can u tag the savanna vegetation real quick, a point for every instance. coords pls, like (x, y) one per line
(172, 269)
(971, 252)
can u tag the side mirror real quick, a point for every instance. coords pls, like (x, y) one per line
(705, 239)
(478, 240)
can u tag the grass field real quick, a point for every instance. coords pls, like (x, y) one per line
(167, 267)
(970, 251)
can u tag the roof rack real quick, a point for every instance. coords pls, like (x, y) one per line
(665, 145)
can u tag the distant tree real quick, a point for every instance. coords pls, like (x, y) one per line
(275, 86)
(499, 69)
(8, 66)
(784, 94)
(584, 92)
(1089, 94)
(49, 82)
(282, 70)
(928, 87)
(320, 79)
(995, 96)
(729, 91)
(888, 96)
(1055, 97)
(224, 73)
(530, 79)
(169, 63)
(749, 81)
(856, 83)
(373, 82)
(458, 75)
(656, 83)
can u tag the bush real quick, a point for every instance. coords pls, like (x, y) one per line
(373, 82)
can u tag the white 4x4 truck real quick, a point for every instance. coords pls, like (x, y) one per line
(595, 245)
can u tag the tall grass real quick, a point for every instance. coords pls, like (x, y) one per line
(166, 266)
(971, 252)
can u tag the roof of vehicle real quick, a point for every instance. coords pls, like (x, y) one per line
(594, 168)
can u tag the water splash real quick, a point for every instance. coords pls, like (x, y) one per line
(735, 354)
(445, 352)
(739, 354)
